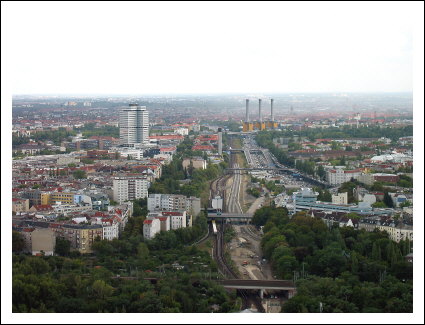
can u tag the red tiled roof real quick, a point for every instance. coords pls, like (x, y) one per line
(43, 207)
(147, 222)
(172, 213)
(168, 149)
(203, 148)
(167, 137)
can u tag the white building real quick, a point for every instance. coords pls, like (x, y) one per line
(217, 203)
(134, 125)
(177, 219)
(397, 233)
(165, 221)
(341, 198)
(133, 153)
(182, 131)
(170, 202)
(110, 229)
(122, 213)
(129, 188)
(69, 208)
(151, 227)
(338, 175)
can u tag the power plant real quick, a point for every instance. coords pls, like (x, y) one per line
(259, 124)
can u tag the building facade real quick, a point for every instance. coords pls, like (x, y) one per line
(129, 188)
(338, 175)
(151, 227)
(173, 202)
(134, 125)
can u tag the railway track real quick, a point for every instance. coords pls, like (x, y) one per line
(231, 204)
(248, 231)
(229, 273)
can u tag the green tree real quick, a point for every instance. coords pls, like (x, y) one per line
(379, 205)
(388, 200)
(62, 247)
(101, 290)
(79, 174)
(18, 243)
(321, 172)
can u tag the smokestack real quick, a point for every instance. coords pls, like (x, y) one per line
(259, 111)
(271, 108)
(247, 111)
(220, 142)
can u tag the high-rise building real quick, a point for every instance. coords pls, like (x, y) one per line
(130, 188)
(134, 125)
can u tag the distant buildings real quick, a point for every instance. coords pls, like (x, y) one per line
(306, 199)
(134, 125)
(40, 235)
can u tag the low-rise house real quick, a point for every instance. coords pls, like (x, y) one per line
(20, 205)
(41, 208)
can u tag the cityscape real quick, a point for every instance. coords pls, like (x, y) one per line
(242, 202)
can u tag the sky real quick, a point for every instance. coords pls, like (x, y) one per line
(171, 48)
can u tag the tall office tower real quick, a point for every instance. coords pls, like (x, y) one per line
(247, 110)
(260, 116)
(134, 125)
(271, 109)
(220, 141)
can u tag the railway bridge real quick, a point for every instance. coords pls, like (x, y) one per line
(281, 285)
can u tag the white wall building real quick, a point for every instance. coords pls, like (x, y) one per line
(182, 131)
(177, 219)
(341, 198)
(170, 202)
(134, 125)
(151, 227)
(338, 175)
(129, 188)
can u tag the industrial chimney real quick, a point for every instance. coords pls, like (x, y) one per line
(259, 111)
(271, 108)
(247, 111)
(220, 142)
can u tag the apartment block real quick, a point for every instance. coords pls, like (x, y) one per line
(127, 188)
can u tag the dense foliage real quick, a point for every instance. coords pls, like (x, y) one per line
(90, 129)
(303, 246)
(112, 279)
(346, 132)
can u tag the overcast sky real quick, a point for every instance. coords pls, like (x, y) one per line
(151, 48)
